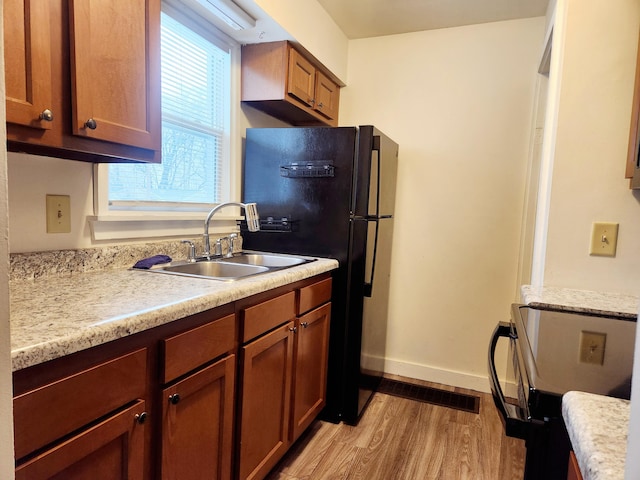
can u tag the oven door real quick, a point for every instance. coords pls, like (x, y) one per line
(547, 442)
(514, 414)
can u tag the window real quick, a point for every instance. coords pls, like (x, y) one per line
(196, 170)
(195, 85)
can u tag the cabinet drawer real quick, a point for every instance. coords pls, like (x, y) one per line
(114, 449)
(263, 317)
(77, 400)
(189, 350)
(314, 295)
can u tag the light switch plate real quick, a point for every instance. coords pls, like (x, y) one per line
(592, 346)
(604, 239)
(58, 214)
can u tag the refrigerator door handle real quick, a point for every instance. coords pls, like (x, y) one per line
(368, 285)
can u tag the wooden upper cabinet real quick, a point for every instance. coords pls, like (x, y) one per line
(27, 59)
(69, 61)
(327, 95)
(302, 75)
(282, 81)
(111, 71)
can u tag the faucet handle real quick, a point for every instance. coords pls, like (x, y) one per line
(232, 243)
(191, 255)
(217, 249)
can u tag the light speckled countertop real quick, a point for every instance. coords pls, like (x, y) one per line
(582, 301)
(56, 315)
(597, 424)
(597, 427)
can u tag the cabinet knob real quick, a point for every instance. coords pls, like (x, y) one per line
(174, 399)
(320, 105)
(91, 124)
(304, 324)
(141, 417)
(293, 329)
(46, 115)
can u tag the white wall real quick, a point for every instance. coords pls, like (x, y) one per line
(32, 177)
(6, 390)
(459, 103)
(314, 29)
(588, 184)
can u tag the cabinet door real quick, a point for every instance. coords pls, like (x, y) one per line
(114, 71)
(327, 96)
(301, 79)
(573, 473)
(27, 59)
(311, 352)
(114, 449)
(266, 393)
(197, 424)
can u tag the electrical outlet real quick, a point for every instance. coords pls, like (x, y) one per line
(604, 239)
(592, 347)
(58, 214)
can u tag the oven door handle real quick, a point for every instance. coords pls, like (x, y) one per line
(515, 423)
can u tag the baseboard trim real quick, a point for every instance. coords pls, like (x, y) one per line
(446, 377)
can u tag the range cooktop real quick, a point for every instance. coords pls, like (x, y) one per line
(566, 351)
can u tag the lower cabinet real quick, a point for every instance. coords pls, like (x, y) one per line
(311, 353)
(197, 424)
(217, 395)
(92, 420)
(199, 371)
(111, 449)
(573, 473)
(265, 400)
(283, 375)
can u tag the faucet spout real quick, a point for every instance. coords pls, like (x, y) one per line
(251, 214)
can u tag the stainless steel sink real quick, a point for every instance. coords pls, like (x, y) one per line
(213, 269)
(233, 268)
(265, 260)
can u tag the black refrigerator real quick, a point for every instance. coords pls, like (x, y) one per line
(330, 192)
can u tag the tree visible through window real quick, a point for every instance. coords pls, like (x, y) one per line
(195, 97)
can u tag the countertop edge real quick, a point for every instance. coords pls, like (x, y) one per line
(199, 295)
(581, 301)
(597, 426)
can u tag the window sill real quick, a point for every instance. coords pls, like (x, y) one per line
(126, 227)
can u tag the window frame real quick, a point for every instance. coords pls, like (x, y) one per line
(127, 220)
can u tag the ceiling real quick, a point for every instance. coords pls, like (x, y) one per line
(373, 18)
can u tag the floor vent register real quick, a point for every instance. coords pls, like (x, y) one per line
(436, 396)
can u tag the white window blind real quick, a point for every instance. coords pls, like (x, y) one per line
(195, 103)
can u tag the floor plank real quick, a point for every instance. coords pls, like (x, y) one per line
(402, 439)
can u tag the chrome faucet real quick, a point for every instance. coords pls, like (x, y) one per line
(251, 214)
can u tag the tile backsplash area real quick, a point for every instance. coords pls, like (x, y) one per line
(31, 266)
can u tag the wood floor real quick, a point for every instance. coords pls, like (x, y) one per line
(400, 439)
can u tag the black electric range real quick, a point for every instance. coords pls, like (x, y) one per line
(551, 353)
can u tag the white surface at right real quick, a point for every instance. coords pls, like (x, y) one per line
(597, 426)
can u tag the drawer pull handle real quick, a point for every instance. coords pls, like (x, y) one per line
(293, 329)
(174, 399)
(304, 324)
(141, 417)
(91, 124)
(46, 115)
